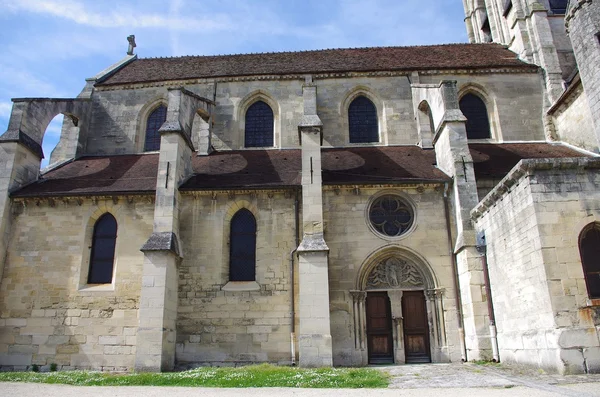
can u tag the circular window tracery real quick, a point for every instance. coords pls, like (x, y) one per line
(390, 215)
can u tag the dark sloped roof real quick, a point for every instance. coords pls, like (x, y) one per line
(446, 56)
(93, 175)
(245, 169)
(391, 164)
(496, 160)
(253, 169)
(271, 168)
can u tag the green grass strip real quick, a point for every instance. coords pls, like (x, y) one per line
(251, 376)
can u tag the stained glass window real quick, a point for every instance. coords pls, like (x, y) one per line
(153, 124)
(390, 215)
(259, 125)
(242, 247)
(103, 250)
(362, 121)
(478, 125)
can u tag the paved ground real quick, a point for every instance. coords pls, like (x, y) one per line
(491, 377)
(407, 381)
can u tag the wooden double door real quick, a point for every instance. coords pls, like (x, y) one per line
(380, 340)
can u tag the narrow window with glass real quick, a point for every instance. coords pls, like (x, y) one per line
(242, 247)
(153, 124)
(362, 121)
(259, 125)
(478, 124)
(102, 256)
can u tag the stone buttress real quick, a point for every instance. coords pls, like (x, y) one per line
(162, 252)
(314, 335)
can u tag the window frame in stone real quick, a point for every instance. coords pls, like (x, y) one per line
(242, 246)
(387, 215)
(475, 110)
(589, 250)
(558, 7)
(363, 123)
(102, 255)
(153, 123)
(259, 125)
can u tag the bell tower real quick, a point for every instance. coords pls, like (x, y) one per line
(530, 29)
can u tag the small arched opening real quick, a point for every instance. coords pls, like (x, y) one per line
(52, 137)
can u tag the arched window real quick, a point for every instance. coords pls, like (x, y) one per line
(103, 250)
(589, 249)
(154, 122)
(362, 121)
(478, 125)
(259, 125)
(242, 247)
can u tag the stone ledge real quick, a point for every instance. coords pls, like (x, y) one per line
(241, 286)
(24, 139)
(313, 243)
(527, 167)
(164, 241)
(93, 289)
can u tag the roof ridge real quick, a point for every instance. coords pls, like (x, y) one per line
(325, 50)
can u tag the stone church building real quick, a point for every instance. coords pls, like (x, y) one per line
(338, 207)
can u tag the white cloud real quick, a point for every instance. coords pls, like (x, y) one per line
(121, 17)
(20, 80)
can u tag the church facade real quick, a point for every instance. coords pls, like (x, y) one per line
(339, 207)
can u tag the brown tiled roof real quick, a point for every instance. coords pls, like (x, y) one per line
(271, 168)
(245, 169)
(253, 169)
(97, 175)
(446, 56)
(385, 164)
(496, 160)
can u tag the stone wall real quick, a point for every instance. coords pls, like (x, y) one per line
(48, 314)
(573, 121)
(513, 101)
(353, 243)
(221, 322)
(583, 24)
(119, 116)
(532, 232)
(390, 95)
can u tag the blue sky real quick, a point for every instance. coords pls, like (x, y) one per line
(49, 47)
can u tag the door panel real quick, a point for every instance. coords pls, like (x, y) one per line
(379, 328)
(416, 329)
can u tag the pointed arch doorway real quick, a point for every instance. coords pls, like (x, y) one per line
(398, 312)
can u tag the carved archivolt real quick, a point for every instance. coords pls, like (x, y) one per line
(395, 273)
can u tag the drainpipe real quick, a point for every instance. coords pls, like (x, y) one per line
(293, 326)
(458, 300)
(482, 250)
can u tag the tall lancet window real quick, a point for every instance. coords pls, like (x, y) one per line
(102, 256)
(259, 125)
(242, 247)
(362, 121)
(478, 124)
(153, 124)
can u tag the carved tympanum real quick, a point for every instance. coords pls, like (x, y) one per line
(395, 273)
